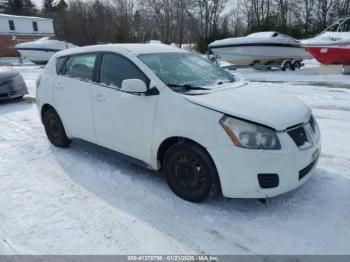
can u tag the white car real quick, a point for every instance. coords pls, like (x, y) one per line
(173, 111)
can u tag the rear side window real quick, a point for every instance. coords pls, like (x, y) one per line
(80, 67)
(115, 69)
(60, 62)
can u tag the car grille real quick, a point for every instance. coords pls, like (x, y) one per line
(303, 135)
(299, 136)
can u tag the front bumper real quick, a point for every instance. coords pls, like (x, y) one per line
(9, 91)
(240, 168)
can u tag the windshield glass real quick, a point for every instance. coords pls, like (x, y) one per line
(183, 69)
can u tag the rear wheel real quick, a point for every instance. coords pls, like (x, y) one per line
(190, 172)
(54, 129)
(297, 64)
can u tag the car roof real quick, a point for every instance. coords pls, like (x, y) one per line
(135, 49)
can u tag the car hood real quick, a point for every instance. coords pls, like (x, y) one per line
(7, 72)
(257, 104)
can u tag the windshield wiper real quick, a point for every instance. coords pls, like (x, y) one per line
(188, 87)
(226, 81)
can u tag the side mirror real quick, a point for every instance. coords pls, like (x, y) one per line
(134, 86)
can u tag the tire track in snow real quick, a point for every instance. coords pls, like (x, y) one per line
(5, 247)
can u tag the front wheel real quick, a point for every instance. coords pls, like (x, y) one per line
(287, 66)
(190, 172)
(54, 129)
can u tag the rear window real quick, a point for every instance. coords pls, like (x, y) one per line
(80, 67)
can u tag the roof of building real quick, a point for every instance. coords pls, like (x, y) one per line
(24, 17)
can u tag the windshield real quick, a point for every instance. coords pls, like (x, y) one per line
(186, 69)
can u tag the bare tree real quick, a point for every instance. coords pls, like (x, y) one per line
(323, 11)
(86, 22)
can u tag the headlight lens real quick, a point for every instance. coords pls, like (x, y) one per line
(248, 135)
(18, 81)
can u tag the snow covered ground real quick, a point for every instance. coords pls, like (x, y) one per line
(85, 200)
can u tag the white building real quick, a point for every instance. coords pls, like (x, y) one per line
(16, 29)
(25, 25)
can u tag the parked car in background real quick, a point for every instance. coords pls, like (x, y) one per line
(12, 84)
(175, 112)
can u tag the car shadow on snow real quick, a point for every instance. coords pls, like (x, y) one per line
(145, 195)
(108, 167)
(17, 104)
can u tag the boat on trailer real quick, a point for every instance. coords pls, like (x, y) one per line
(332, 46)
(40, 51)
(262, 50)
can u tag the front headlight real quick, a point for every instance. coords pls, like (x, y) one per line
(248, 135)
(18, 82)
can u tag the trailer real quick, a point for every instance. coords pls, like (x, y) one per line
(286, 65)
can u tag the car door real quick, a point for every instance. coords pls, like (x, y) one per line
(123, 121)
(73, 91)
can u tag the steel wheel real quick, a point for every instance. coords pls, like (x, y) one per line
(190, 172)
(54, 129)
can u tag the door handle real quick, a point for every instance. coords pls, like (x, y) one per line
(99, 98)
(58, 86)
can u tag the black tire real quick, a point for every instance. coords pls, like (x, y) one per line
(54, 129)
(297, 65)
(190, 172)
(287, 66)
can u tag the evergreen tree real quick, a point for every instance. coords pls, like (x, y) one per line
(14, 7)
(2, 5)
(48, 6)
(61, 5)
(29, 8)
(20, 7)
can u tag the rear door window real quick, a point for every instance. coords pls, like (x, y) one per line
(80, 67)
(116, 68)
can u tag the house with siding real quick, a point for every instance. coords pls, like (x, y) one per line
(18, 29)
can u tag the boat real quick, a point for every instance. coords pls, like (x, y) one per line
(332, 46)
(262, 48)
(41, 50)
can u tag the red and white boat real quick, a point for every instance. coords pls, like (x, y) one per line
(332, 47)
